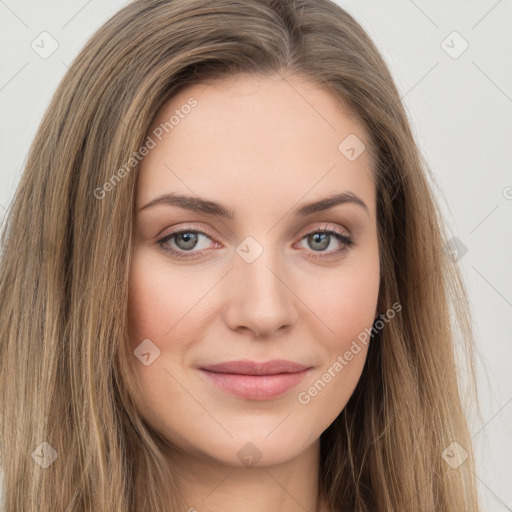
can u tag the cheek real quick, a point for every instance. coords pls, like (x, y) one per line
(154, 307)
(348, 309)
(347, 304)
(160, 297)
(351, 307)
(346, 301)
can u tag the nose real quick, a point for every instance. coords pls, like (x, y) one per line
(259, 297)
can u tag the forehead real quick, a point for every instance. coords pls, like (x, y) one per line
(252, 138)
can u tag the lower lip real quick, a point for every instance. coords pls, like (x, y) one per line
(256, 387)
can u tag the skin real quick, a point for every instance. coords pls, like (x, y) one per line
(261, 147)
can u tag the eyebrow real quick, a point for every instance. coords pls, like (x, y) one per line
(196, 204)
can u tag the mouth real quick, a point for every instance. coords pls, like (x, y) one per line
(256, 381)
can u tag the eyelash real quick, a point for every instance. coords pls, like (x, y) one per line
(347, 241)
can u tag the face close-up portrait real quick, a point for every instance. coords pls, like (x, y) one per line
(226, 281)
(246, 310)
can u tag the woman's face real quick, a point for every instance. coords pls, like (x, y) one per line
(254, 279)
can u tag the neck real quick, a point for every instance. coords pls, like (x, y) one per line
(210, 486)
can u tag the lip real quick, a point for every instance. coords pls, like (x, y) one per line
(256, 381)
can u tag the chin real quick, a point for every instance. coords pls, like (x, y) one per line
(255, 448)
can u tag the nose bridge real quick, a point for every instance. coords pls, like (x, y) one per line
(260, 298)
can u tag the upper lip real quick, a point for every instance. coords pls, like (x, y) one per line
(245, 367)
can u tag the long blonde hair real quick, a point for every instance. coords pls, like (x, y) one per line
(65, 362)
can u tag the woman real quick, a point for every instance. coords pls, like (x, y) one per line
(235, 293)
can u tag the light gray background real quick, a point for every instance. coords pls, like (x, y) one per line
(461, 112)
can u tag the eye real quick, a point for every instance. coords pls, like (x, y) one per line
(323, 237)
(186, 240)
